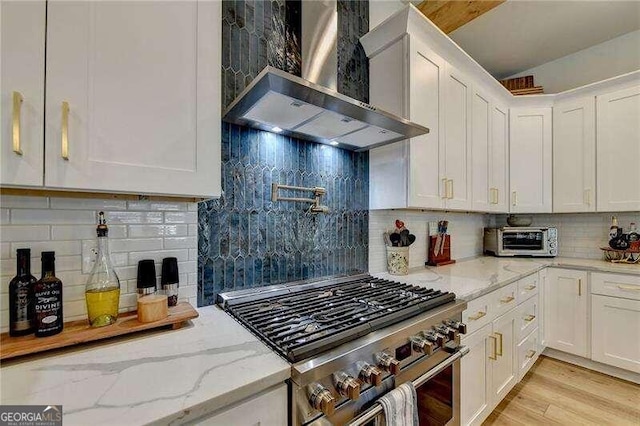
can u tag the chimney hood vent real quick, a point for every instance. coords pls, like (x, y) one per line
(279, 102)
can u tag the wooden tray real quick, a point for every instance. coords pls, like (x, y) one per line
(77, 332)
(621, 256)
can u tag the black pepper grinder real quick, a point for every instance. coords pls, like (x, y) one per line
(146, 277)
(169, 279)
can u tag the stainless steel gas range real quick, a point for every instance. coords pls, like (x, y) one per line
(351, 340)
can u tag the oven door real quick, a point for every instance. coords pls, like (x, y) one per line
(438, 392)
(523, 242)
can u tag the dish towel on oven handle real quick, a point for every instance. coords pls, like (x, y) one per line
(401, 406)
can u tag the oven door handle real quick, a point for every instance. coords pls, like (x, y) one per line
(376, 410)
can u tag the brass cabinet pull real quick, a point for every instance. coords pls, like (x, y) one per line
(507, 299)
(514, 198)
(65, 131)
(530, 287)
(530, 353)
(629, 287)
(477, 316)
(579, 287)
(495, 348)
(497, 195)
(499, 353)
(15, 128)
(449, 188)
(444, 187)
(587, 196)
(529, 318)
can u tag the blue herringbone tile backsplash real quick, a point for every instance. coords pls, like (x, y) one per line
(245, 240)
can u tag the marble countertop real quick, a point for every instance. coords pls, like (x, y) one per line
(158, 377)
(470, 279)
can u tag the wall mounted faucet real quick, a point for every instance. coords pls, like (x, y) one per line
(318, 192)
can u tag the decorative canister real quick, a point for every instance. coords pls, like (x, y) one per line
(398, 260)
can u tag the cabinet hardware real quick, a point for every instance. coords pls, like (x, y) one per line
(579, 286)
(629, 287)
(514, 198)
(65, 131)
(530, 287)
(495, 348)
(587, 196)
(507, 299)
(530, 353)
(15, 128)
(529, 318)
(449, 189)
(499, 353)
(497, 195)
(444, 187)
(477, 316)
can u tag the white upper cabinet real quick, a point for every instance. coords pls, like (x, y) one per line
(22, 91)
(499, 159)
(530, 160)
(618, 150)
(574, 156)
(457, 138)
(133, 97)
(481, 135)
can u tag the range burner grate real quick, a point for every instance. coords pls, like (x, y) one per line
(304, 323)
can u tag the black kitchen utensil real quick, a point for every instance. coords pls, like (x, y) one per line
(395, 239)
(412, 239)
(404, 238)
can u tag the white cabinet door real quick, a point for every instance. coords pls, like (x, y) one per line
(266, 409)
(565, 315)
(615, 328)
(22, 92)
(142, 85)
(426, 153)
(499, 159)
(475, 377)
(481, 135)
(530, 159)
(574, 156)
(457, 141)
(542, 299)
(504, 368)
(618, 150)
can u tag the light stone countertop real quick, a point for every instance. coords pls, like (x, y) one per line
(470, 279)
(159, 377)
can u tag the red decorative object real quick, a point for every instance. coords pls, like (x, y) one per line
(443, 257)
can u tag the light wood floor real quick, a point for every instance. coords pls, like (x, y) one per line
(554, 392)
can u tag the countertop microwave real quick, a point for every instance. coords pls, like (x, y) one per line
(521, 241)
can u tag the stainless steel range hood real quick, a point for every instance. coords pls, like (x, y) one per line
(305, 108)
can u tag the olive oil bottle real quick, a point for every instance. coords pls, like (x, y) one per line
(48, 298)
(103, 287)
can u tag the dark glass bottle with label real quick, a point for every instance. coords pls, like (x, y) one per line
(21, 301)
(48, 298)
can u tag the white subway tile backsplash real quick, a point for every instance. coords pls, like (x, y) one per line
(157, 205)
(4, 216)
(84, 232)
(10, 233)
(157, 230)
(53, 217)
(192, 207)
(157, 256)
(193, 229)
(187, 267)
(5, 250)
(180, 242)
(181, 217)
(62, 248)
(87, 204)
(133, 244)
(21, 202)
(134, 217)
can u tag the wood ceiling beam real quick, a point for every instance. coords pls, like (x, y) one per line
(449, 15)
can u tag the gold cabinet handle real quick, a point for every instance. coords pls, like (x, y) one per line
(494, 195)
(65, 131)
(587, 196)
(477, 316)
(530, 287)
(530, 353)
(629, 287)
(15, 128)
(450, 196)
(444, 187)
(529, 318)
(495, 348)
(514, 198)
(497, 195)
(507, 299)
(499, 352)
(579, 287)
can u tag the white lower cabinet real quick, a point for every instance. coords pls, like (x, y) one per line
(566, 303)
(266, 409)
(528, 351)
(475, 377)
(504, 371)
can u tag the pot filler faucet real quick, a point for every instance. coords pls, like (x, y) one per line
(318, 192)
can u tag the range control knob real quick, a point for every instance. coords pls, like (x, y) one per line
(347, 385)
(422, 345)
(461, 327)
(437, 338)
(449, 332)
(388, 363)
(321, 399)
(370, 374)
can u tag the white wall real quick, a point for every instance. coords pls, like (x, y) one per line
(137, 230)
(466, 230)
(605, 60)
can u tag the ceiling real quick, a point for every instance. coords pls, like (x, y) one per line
(521, 34)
